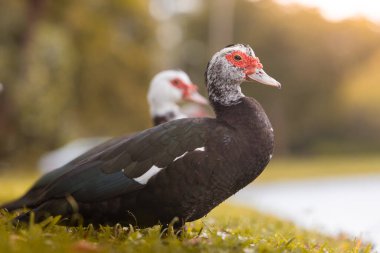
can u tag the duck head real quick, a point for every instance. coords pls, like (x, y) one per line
(231, 66)
(170, 87)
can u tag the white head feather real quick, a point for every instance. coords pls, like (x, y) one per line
(163, 96)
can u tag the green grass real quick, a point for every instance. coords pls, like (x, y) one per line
(280, 169)
(226, 229)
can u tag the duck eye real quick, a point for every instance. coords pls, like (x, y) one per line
(237, 57)
(175, 82)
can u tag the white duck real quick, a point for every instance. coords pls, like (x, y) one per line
(167, 89)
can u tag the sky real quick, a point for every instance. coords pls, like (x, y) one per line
(341, 9)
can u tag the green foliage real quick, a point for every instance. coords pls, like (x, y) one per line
(360, 94)
(70, 69)
(226, 229)
(362, 87)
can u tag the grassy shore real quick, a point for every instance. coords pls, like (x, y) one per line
(226, 229)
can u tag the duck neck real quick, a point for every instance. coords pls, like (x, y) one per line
(232, 113)
(245, 115)
(223, 92)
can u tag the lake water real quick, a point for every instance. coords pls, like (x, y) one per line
(350, 205)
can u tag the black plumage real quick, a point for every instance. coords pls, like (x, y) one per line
(198, 163)
(157, 120)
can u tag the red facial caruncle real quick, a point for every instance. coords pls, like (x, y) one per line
(186, 88)
(242, 60)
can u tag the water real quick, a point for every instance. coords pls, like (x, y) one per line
(336, 205)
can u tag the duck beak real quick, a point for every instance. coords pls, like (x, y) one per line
(190, 93)
(262, 77)
(197, 98)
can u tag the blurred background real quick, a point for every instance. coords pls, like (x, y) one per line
(72, 69)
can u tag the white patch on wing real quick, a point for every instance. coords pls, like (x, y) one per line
(144, 178)
(179, 157)
(270, 157)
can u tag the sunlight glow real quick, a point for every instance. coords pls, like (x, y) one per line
(338, 10)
